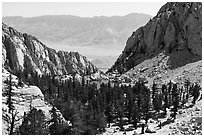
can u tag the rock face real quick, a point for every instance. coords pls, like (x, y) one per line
(23, 51)
(23, 98)
(176, 31)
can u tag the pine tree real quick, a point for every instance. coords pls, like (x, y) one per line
(57, 126)
(175, 97)
(66, 94)
(100, 122)
(35, 78)
(143, 100)
(109, 114)
(9, 95)
(164, 91)
(147, 104)
(25, 74)
(120, 110)
(195, 92)
(169, 93)
(154, 90)
(157, 101)
(135, 115)
(130, 105)
(74, 112)
(183, 96)
(12, 119)
(34, 123)
(89, 120)
(187, 86)
(157, 98)
(19, 74)
(174, 91)
(54, 119)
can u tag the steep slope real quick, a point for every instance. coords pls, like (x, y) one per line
(25, 52)
(70, 30)
(156, 69)
(176, 31)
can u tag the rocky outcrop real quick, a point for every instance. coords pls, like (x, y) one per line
(176, 30)
(23, 51)
(23, 98)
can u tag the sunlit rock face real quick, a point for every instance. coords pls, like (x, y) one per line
(24, 98)
(23, 51)
(175, 30)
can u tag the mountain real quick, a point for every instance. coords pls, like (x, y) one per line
(169, 41)
(21, 51)
(76, 31)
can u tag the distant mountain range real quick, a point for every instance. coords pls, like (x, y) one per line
(79, 31)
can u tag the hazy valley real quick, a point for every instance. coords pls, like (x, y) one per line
(83, 34)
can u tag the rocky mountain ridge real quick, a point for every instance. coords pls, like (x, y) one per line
(70, 30)
(176, 31)
(25, 52)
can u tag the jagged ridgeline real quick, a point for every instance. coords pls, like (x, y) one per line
(25, 52)
(176, 31)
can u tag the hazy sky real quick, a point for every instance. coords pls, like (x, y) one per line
(84, 9)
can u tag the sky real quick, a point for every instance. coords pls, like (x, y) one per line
(83, 9)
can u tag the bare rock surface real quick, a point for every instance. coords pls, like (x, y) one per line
(176, 29)
(23, 99)
(23, 51)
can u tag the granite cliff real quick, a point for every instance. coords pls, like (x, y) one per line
(23, 51)
(176, 31)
